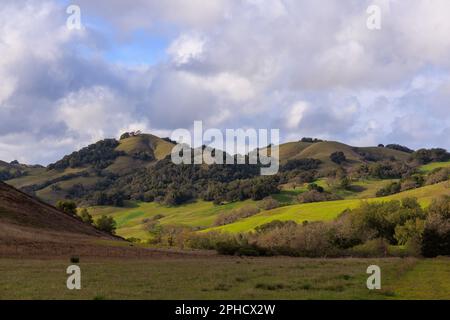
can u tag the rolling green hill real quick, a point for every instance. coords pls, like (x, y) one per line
(434, 165)
(136, 168)
(52, 185)
(322, 211)
(323, 150)
(201, 214)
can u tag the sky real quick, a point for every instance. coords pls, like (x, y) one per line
(308, 68)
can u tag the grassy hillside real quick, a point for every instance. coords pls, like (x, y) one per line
(434, 165)
(323, 150)
(322, 211)
(146, 142)
(53, 190)
(203, 214)
(24, 218)
(130, 219)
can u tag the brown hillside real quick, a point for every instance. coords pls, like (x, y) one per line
(21, 209)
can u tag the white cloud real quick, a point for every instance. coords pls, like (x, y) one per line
(186, 48)
(307, 67)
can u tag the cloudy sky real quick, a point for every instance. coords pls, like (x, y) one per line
(309, 68)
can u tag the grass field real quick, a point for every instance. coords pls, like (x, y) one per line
(323, 211)
(226, 278)
(434, 165)
(129, 219)
(202, 214)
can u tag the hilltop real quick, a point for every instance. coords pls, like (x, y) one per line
(87, 167)
(137, 167)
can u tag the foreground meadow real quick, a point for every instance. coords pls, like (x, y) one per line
(226, 278)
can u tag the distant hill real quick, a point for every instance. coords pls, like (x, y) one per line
(137, 167)
(322, 150)
(58, 180)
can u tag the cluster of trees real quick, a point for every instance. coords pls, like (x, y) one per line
(100, 155)
(173, 184)
(104, 223)
(111, 197)
(338, 157)
(256, 188)
(384, 170)
(301, 165)
(235, 215)
(126, 135)
(10, 173)
(310, 140)
(424, 156)
(399, 148)
(316, 193)
(373, 229)
(415, 181)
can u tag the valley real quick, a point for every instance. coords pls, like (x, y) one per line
(222, 232)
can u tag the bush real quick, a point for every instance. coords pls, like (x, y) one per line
(311, 240)
(269, 203)
(316, 196)
(372, 248)
(424, 156)
(436, 236)
(235, 215)
(315, 187)
(69, 207)
(399, 148)
(392, 188)
(85, 216)
(388, 170)
(438, 175)
(338, 157)
(106, 224)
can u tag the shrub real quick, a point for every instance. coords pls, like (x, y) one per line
(69, 207)
(392, 188)
(311, 240)
(372, 248)
(315, 187)
(424, 156)
(269, 203)
(85, 216)
(301, 164)
(106, 224)
(316, 196)
(438, 175)
(338, 157)
(236, 214)
(411, 230)
(436, 236)
(399, 148)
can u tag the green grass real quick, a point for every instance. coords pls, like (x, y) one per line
(324, 211)
(130, 219)
(434, 165)
(202, 214)
(430, 278)
(40, 175)
(225, 278)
